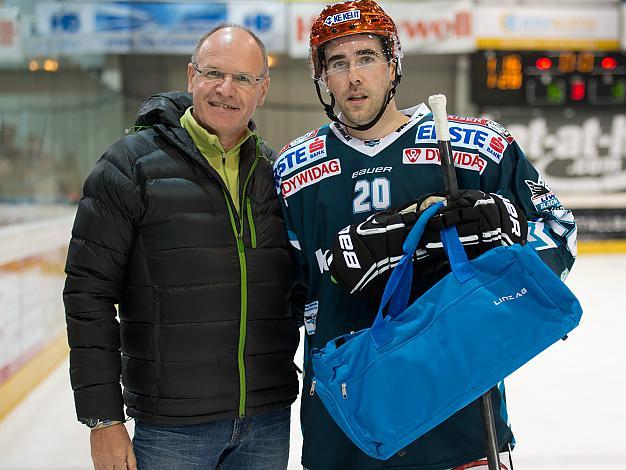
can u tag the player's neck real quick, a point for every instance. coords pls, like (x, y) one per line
(391, 120)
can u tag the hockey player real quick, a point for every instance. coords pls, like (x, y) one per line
(378, 164)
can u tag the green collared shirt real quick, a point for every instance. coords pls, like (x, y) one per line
(226, 163)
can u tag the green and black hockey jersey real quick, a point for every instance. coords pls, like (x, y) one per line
(327, 180)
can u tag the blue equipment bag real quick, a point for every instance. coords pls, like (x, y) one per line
(387, 385)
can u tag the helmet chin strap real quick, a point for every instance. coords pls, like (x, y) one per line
(330, 112)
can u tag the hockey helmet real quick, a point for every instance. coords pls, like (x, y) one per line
(350, 18)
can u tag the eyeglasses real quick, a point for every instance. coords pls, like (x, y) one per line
(241, 79)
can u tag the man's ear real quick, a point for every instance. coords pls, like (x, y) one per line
(265, 84)
(392, 70)
(191, 72)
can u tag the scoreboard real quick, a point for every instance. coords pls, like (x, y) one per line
(541, 78)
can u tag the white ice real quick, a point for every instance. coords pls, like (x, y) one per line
(567, 407)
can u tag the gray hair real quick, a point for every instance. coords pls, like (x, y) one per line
(205, 36)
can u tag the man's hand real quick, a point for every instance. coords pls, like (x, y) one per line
(111, 449)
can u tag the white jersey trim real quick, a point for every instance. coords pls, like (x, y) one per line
(365, 147)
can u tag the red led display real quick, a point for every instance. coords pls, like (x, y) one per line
(608, 63)
(543, 63)
(577, 90)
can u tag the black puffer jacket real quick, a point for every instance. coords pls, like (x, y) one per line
(206, 330)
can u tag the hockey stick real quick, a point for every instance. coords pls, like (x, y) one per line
(438, 107)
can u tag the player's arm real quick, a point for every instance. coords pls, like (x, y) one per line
(522, 209)
(551, 227)
(300, 267)
(525, 210)
(300, 286)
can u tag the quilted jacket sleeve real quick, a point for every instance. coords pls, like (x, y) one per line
(102, 238)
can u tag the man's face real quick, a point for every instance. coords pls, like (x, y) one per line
(359, 75)
(225, 106)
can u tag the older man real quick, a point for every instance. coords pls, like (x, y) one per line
(179, 225)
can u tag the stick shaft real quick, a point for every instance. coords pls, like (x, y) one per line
(447, 164)
(489, 429)
(438, 106)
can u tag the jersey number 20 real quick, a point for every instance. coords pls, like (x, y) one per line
(370, 195)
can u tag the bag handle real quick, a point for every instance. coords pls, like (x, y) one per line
(398, 286)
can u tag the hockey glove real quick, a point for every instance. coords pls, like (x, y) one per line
(363, 255)
(483, 221)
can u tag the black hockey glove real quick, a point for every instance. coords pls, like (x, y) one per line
(483, 221)
(363, 255)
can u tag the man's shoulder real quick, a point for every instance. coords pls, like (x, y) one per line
(481, 123)
(130, 148)
(299, 141)
(301, 151)
(267, 153)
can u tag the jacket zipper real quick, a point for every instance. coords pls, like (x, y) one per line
(244, 283)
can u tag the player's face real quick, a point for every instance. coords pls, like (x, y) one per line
(359, 75)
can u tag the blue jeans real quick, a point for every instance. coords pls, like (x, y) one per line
(257, 443)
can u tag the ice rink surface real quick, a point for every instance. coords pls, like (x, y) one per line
(567, 407)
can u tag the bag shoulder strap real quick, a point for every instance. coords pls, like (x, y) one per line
(398, 287)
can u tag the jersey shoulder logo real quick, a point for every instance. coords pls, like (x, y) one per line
(493, 125)
(300, 156)
(301, 139)
(487, 137)
(536, 189)
(541, 195)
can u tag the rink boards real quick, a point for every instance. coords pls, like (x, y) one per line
(32, 324)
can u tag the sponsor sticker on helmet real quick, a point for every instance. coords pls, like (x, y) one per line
(342, 17)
